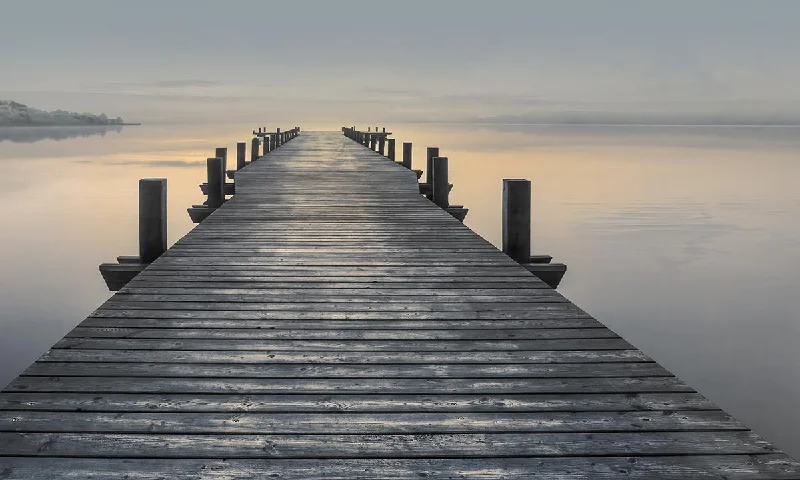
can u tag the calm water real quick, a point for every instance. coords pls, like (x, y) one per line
(682, 239)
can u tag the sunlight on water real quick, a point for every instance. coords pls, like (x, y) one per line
(684, 240)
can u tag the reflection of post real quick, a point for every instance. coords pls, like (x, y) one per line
(517, 219)
(254, 150)
(152, 218)
(441, 186)
(216, 179)
(241, 147)
(407, 155)
(390, 153)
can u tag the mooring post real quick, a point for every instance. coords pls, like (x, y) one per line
(390, 153)
(407, 155)
(222, 152)
(254, 150)
(431, 153)
(382, 145)
(152, 218)
(441, 187)
(241, 151)
(278, 142)
(517, 219)
(384, 129)
(372, 141)
(216, 179)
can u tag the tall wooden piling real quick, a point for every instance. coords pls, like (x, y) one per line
(407, 155)
(372, 141)
(391, 152)
(152, 218)
(222, 152)
(216, 178)
(254, 150)
(430, 154)
(440, 190)
(517, 219)
(382, 145)
(241, 151)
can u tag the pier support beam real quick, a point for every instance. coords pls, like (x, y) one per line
(152, 235)
(390, 153)
(430, 154)
(440, 193)
(215, 189)
(254, 150)
(516, 231)
(407, 155)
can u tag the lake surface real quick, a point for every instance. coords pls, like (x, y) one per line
(684, 240)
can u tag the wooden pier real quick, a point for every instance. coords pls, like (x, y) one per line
(329, 322)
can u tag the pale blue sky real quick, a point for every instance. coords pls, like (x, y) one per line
(334, 61)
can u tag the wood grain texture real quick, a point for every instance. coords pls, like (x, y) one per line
(329, 322)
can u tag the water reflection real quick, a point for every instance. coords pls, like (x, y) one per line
(37, 134)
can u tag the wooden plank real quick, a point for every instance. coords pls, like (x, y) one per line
(696, 467)
(382, 446)
(365, 423)
(349, 334)
(344, 345)
(333, 325)
(341, 371)
(295, 403)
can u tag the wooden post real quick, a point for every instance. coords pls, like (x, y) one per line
(278, 142)
(384, 129)
(382, 145)
(517, 219)
(222, 152)
(372, 141)
(441, 187)
(407, 155)
(254, 150)
(431, 153)
(216, 178)
(241, 151)
(152, 218)
(390, 154)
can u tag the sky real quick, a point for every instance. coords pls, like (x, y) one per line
(337, 62)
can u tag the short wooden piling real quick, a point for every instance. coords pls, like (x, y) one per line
(517, 219)
(391, 152)
(254, 150)
(152, 218)
(407, 155)
(278, 142)
(441, 186)
(432, 152)
(216, 178)
(241, 151)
